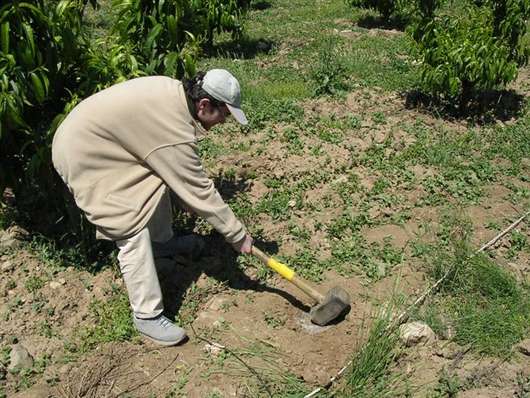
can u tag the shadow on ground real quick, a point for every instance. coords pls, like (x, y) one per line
(485, 108)
(378, 22)
(219, 262)
(260, 5)
(242, 48)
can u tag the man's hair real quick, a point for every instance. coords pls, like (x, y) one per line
(195, 92)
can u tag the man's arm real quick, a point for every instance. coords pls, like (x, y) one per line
(181, 169)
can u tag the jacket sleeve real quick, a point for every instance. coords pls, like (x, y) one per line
(181, 169)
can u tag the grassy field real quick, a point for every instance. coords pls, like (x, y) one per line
(341, 178)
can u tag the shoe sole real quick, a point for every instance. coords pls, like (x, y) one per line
(165, 343)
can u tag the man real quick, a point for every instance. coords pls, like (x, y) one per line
(122, 149)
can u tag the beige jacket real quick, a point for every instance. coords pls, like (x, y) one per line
(119, 149)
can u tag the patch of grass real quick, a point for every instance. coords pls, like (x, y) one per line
(33, 283)
(274, 320)
(491, 325)
(518, 243)
(279, 203)
(112, 322)
(57, 258)
(487, 307)
(45, 329)
(431, 314)
(307, 265)
(448, 386)
(208, 148)
(381, 61)
(266, 377)
(194, 298)
(269, 109)
(370, 374)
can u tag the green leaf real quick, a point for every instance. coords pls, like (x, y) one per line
(189, 65)
(38, 87)
(151, 37)
(30, 41)
(4, 37)
(172, 28)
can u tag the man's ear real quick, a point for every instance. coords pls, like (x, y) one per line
(202, 104)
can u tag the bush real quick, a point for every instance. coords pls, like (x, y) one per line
(42, 49)
(167, 35)
(480, 48)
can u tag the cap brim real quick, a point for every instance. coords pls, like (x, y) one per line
(238, 114)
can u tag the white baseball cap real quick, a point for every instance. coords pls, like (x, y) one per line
(224, 87)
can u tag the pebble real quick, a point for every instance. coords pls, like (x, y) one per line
(19, 358)
(413, 333)
(7, 266)
(212, 349)
(8, 241)
(55, 285)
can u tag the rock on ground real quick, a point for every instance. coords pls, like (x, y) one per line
(19, 358)
(413, 333)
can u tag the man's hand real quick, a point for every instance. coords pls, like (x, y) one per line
(244, 245)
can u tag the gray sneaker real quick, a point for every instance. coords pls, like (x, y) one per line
(191, 246)
(161, 330)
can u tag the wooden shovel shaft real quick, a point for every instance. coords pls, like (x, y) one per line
(288, 274)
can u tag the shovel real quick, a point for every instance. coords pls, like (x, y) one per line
(329, 306)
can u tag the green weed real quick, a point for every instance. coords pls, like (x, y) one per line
(328, 71)
(518, 242)
(208, 148)
(279, 203)
(369, 374)
(274, 320)
(45, 329)
(112, 322)
(33, 283)
(448, 386)
(306, 264)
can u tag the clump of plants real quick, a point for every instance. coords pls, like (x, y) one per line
(389, 10)
(329, 72)
(477, 48)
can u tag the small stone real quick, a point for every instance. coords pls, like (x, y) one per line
(212, 349)
(19, 358)
(8, 241)
(55, 285)
(415, 332)
(524, 347)
(217, 303)
(7, 266)
(61, 281)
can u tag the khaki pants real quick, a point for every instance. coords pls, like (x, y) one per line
(137, 262)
